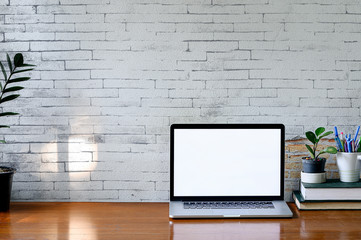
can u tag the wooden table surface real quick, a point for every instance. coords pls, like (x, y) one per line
(91, 221)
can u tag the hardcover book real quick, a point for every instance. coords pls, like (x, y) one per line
(332, 189)
(303, 204)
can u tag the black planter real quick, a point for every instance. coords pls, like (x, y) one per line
(311, 166)
(6, 180)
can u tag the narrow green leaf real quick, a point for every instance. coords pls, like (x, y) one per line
(9, 98)
(8, 114)
(18, 79)
(18, 60)
(310, 150)
(25, 70)
(311, 136)
(319, 131)
(27, 65)
(13, 89)
(2, 141)
(1, 87)
(9, 62)
(4, 126)
(326, 134)
(4, 72)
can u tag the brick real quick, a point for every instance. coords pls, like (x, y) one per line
(18, 10)
(79, 36)
(231, 84)
(164, 102)
(78, 83)
(11, 28)
(34, 2)
(12, 46)
(321, 102)
(26, 177)
(84, 18)
(29, 36)
(129, 185)
(233, 18)
(213, 46)
(54, 46)
(65, 75)
(203, 27)
(78, 186)
(215, 9)
(94, 195)
(105, 45)
(33, 185)
(61, 9)
(43, 18)
(41, 195)
(71, 55)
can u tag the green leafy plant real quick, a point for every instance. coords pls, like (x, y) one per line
(315, 137)
(7, 88)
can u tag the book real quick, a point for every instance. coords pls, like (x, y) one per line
(303, 204)
(332, 189)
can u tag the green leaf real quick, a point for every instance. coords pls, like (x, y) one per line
(2, 141)
(331, 150)
(25, 70)
(4, 72)
(18, 60)
(18, 79)
(319, 131)
(310, 150)
(27, 65)
(4, 126)
(13, 89)
(311, 136)
(9, 62)
(9, 98)
(326, 134)
(8, 114)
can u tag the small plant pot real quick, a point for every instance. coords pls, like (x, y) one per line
(349, 166)
(313, 177)
(311, 166)
(6, 180)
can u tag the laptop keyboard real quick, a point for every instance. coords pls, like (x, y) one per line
(229, 205)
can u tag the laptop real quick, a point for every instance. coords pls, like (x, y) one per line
(227, 171)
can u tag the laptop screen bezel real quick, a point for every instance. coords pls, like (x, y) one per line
(226, 126)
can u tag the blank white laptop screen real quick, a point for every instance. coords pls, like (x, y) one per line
(227, 162)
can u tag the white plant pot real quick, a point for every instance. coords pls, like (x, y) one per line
(313, 177)
(349, 166)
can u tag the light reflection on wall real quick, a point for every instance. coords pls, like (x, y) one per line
(82, 156)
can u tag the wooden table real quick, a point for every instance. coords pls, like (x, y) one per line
(91, 221)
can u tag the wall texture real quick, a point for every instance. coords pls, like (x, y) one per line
(112, 75)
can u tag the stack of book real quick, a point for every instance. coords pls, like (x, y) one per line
(333, 194)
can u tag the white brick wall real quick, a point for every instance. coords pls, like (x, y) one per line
(112, 75)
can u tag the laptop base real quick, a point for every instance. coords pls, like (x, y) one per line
(280, 210)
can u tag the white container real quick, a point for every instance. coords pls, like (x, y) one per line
(349, 166)
(313, 177)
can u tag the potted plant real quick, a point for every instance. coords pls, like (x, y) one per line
(313, 167)
(7, 90)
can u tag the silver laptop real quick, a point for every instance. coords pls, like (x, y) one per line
(227, 171)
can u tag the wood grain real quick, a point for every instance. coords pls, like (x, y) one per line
(92, 221)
